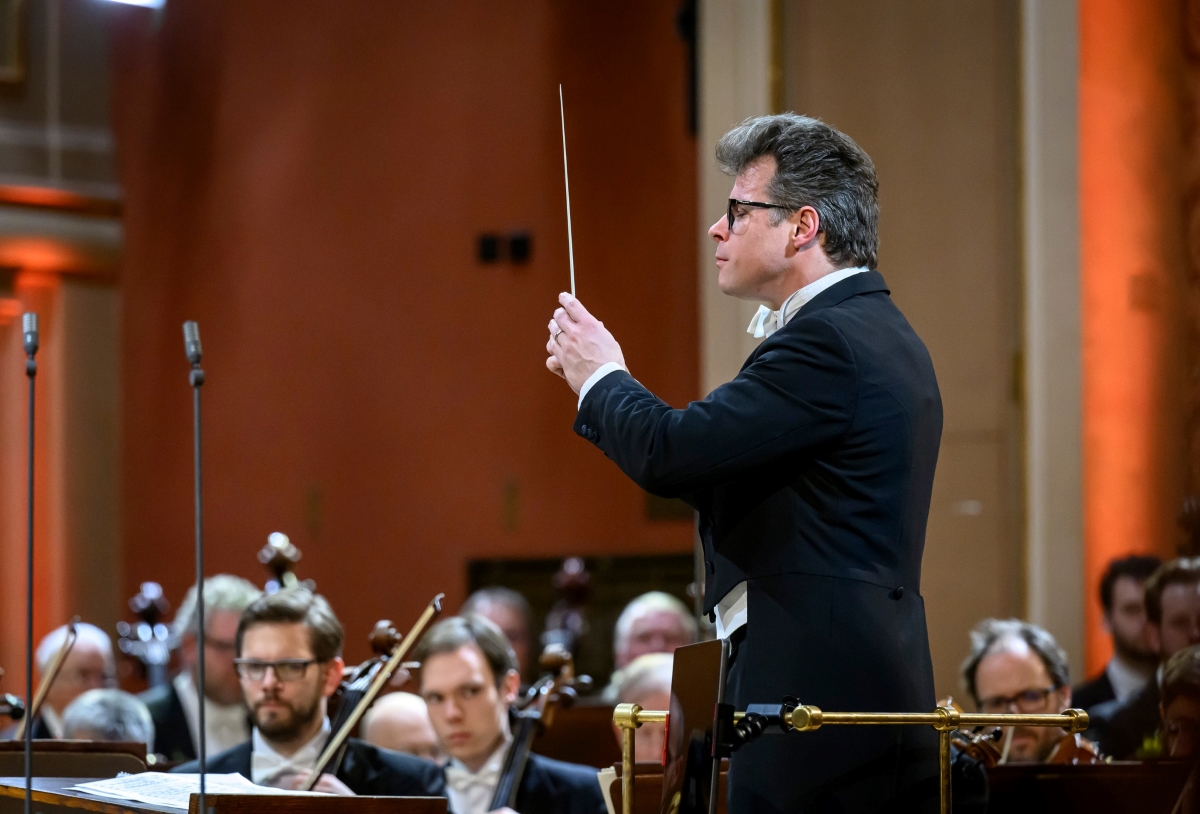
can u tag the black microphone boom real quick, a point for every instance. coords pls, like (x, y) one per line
(29, 331)
(191, 346)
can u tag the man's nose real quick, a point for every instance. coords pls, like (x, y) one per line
(269, 679)
(453, 712)
(719, 231)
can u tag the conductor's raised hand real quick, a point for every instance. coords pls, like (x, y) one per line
(579, 343)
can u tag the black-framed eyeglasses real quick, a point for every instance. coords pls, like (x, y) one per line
(284, 669)
(1026, 701)
(731, 218)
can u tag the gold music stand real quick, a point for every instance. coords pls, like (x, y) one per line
(806, 718)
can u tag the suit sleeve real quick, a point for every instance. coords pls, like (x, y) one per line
(797, 394)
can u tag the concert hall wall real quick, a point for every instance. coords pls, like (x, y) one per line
(309, 182)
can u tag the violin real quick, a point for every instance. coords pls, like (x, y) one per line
(48, 679)
(533, 713)
(987, 745)
(366, 682)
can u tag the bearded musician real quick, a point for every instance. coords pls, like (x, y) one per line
(289, 647)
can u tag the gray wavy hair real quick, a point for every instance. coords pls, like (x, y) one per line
(815, 165)
(990, 633)
(108, 715)
(221, 592)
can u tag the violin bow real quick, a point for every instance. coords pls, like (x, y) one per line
(383, 675)
(48, 678)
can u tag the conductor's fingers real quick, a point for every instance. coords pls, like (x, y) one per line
(565, 321)
(555, 367)
(573, 307)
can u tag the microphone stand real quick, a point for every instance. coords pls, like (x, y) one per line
(191, 344)
(29, 330)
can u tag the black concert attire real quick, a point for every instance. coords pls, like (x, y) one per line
(365, 769)
(812, 473)
(1118, 681)
(547, 787)
(172, 734)
(1090, 693)
(1121, 728)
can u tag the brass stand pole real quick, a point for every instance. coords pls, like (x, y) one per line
(944, 771)
(806, 718)
(625, 716)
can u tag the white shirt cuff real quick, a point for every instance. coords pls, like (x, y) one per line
(601, 372)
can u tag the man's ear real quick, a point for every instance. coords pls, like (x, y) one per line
(1154, 637)
(805, 226)
(510, 686)
(333, 676)
(1106, 622)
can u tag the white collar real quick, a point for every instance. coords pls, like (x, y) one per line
(1125, 680)
(268, 767)
(471, 792)
(767, 322)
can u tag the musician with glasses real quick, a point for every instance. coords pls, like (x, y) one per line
(1016, 667)
(289, 647)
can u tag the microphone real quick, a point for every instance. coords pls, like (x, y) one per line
(191, 340)
(29, 327)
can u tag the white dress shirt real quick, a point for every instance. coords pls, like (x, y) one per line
(471, 792)
(52, 720)
(269, 768)
(225, 726)
(1125, 680)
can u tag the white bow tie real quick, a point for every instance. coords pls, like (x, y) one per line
(765, 322)
(269, 768)
(462, 781)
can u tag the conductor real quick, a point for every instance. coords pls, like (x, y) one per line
(811, 471)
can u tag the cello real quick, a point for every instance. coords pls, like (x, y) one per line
(534, 712)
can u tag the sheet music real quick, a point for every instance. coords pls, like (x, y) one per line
(173, 790)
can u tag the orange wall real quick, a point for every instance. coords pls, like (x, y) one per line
(1131, 163)
(307, 180)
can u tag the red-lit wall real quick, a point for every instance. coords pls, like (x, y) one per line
(307, 180)
(1132, 166)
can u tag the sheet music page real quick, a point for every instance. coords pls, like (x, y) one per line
(173, 790)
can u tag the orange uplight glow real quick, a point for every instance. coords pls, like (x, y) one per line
(1128, 126)
(39, 254)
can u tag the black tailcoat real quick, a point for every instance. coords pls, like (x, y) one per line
(172, 735)
(554, 787)
(1093, 693)
(365, 769)
(812, 473)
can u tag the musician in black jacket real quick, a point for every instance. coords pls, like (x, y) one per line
(1123, 599)
(811, 470)
(469, 679)
(289, 659)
